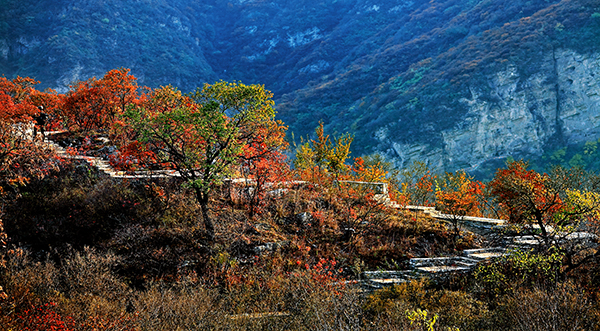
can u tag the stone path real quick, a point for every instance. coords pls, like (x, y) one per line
(103, 165)
(433, 267)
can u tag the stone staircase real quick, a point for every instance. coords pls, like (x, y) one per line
(104, 165)
(433, 267)
(440, 267)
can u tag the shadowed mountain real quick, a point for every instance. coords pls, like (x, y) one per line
(450, 82)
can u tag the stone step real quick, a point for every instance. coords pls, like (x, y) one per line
(443, 269)
(421, 209)
(442, 263)
(386, 274)
(482, 254)
(525, 241)
(425, 261)
(382, 278)
(378, 283)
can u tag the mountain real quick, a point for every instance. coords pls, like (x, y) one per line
(455, 83)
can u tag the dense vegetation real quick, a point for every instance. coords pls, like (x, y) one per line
(278, 247)
(355, 65)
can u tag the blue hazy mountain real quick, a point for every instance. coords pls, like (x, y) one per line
(454, 83)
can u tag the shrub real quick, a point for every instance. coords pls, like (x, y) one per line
(518, 268)
(42, 318)
(79, 293)
(452, 308)
(80, 206)
(560, 307)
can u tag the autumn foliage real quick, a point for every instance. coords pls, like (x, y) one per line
(93, 105)
(283, 253)
(44, 317)
(15, 99)
(21, 157)
(317, 159)
(525, 194)
(206, 136)
(558, 204)
(458, 194)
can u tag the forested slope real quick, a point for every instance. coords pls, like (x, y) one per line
(396, 74)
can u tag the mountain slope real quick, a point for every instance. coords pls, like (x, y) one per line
(406, 95)
(434, 81)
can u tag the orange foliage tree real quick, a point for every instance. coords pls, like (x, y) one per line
(317, 158)
(94, 104)
(418, 185)
(369, 171)
(458, 194)
(558, 203)
(264, 163)
(527, 196)
(21, 158)
(15, 101)
(49, 101)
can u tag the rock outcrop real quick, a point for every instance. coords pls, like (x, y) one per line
(517, 115)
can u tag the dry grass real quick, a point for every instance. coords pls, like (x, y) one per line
(564, 307)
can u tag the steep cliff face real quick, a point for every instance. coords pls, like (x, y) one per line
(579, 85)
(518, 116)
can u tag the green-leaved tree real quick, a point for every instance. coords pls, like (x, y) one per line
(203, 135)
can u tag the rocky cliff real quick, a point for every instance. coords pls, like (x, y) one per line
(515, 115)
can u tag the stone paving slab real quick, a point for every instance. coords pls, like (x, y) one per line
(526, 240)
(442, 269)
(581, 236)
(484, 253)
(380, 282)
(386, 274)
(486, 256)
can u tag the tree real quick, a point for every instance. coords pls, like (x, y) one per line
(262, 170)
(15, 103)
(204, 135)
(20, 157)
(94, 104)
(263, 162)
(458, 195)
(321, 155)
(418, 184)
(559, 203)
(526, 196)
(369, 170)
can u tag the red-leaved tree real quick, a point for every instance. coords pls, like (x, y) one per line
(93, 105)
(15, 103)
(457, 194)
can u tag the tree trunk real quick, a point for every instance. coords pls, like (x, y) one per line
(202, 198)
(540, 221)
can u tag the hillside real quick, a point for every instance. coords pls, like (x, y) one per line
(454, 83)
(171, 211)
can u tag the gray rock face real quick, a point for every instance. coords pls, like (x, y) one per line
(518, 115)
(579, 82)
